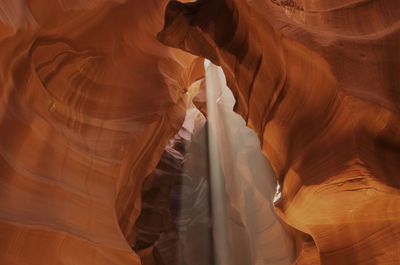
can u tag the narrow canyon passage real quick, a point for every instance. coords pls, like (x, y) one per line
(314, 80)
(210, 199)
(174, 226)
(119, 146)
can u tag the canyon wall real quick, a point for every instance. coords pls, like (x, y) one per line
(317, 81)
(89, 100)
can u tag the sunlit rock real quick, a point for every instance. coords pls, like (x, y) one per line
(92, 123)
(316, 81)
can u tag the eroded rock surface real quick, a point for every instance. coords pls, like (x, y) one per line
(89, 100)
(317, 82)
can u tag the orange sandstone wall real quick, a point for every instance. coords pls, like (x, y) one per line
(89, 99)
(318, 82)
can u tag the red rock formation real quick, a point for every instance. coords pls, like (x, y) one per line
(89, 100)
(317, 81)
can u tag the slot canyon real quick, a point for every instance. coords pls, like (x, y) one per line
(208, 132)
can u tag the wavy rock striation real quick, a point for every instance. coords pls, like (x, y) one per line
(89, 100)
(316, 80)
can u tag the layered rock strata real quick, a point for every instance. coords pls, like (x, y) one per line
(89, 100)
(316, 81)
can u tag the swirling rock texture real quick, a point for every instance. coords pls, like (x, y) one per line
(89, 100)
(316, 80)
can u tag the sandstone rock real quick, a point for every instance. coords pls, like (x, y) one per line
(89, 100)
(316, 81)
